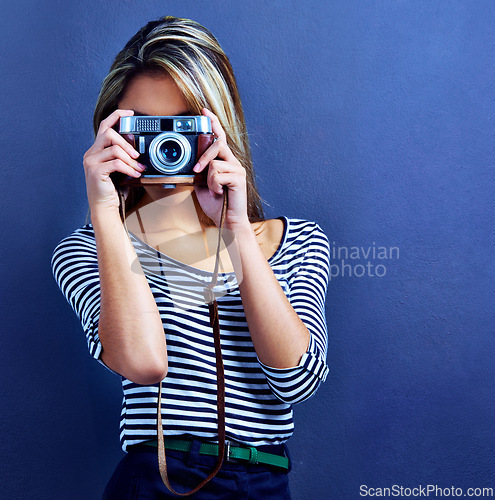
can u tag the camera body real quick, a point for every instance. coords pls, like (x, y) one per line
(169, 145)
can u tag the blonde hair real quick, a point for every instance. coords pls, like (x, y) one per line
(193, 58)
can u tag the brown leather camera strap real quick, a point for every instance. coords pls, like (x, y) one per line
(214, 323)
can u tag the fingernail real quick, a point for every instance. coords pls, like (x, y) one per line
(141, 166)
(134, 154)
(197, 167)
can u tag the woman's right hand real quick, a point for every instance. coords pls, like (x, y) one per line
(110, 153)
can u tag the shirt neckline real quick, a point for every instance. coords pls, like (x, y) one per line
(202, 272)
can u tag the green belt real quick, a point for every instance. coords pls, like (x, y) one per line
(248, 454)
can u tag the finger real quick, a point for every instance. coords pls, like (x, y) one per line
(220, 180)
(218, 149)
(116, 152)
(113, 118)
(222, 167)
(117, 165)
(94, 167)
(215, 124)
(234, 180)
(110, 138)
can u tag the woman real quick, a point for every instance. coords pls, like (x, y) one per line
(138, 293)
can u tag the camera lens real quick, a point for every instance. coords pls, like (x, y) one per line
(170, 152)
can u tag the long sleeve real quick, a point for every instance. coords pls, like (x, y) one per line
(307, 287)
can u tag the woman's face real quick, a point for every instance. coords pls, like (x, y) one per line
(157, 95)
(154, 95)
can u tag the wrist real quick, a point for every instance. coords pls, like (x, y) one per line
(101, 215)
(244, 235)
(240, 228)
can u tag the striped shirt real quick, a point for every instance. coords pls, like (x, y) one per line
(258, 398)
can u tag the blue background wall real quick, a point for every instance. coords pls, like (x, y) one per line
(374, 118)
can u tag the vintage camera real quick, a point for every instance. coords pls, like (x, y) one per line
(168, 145)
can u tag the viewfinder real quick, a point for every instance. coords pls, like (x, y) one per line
(184, 125)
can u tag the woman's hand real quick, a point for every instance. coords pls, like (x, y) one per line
(223, 170)
(109, 153)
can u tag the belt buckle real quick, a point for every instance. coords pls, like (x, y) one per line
(227, 451)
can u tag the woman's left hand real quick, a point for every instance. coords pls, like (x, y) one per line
(223, 170)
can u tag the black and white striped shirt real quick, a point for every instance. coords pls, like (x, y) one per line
(258, 398)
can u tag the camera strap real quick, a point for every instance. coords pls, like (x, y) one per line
(214, 323)
(210, 299)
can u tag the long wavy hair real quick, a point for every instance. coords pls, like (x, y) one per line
(193, 58)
